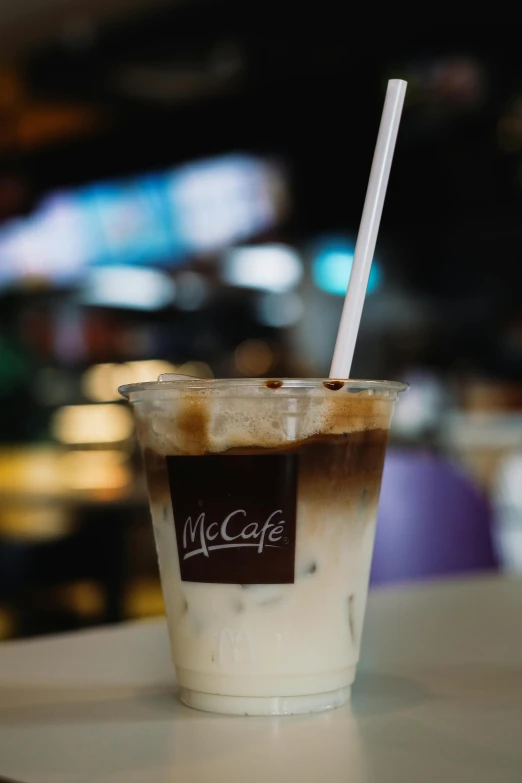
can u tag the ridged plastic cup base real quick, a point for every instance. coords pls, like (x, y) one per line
(265, 705)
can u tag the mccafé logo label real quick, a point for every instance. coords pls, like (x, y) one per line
(235, 517)
(198, 539)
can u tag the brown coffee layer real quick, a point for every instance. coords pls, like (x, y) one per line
(340, 479)
(363, 442)
(346, 463)
(157, 476)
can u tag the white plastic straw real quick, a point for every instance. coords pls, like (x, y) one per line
(368, 230)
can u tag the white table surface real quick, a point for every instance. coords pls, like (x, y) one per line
(438, 697)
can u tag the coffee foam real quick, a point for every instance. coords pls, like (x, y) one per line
(207, 421)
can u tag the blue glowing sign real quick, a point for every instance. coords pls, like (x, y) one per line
(332, 266)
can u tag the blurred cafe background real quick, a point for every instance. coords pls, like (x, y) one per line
(180, 189)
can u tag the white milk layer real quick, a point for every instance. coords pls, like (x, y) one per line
(274, 640)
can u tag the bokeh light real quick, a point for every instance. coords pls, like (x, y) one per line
(197, 369)
(253, 357)
(123, 286)
(83, 424)
(265, 267)
(95, 470)
(101, 381)
(332, 267)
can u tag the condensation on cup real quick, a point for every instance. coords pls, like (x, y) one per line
(264, 499)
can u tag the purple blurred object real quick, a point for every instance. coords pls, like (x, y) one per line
(432, 521)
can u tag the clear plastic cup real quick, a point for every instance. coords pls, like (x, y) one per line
(263, 497)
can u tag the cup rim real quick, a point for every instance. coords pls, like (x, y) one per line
(170, 383)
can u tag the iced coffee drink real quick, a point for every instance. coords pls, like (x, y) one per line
(264, 499)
